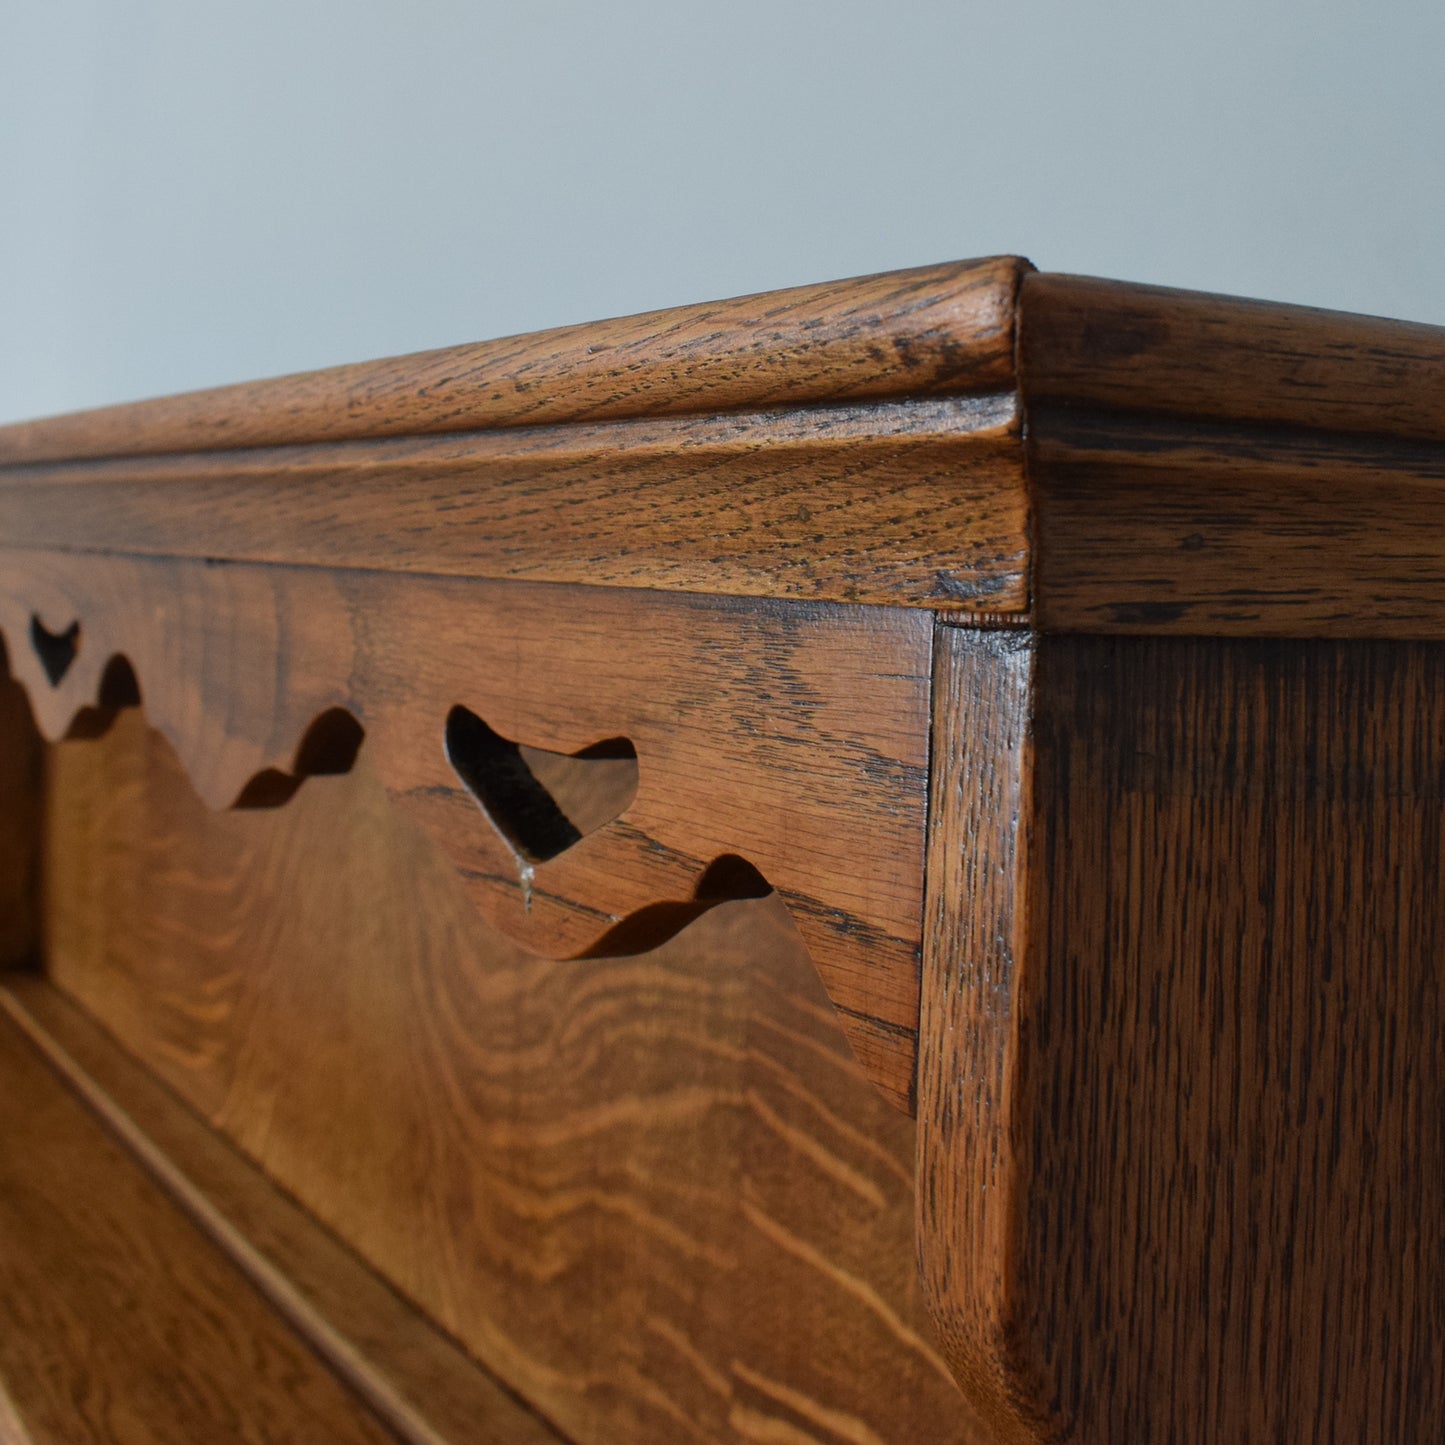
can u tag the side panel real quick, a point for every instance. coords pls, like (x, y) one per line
(1229, 1216)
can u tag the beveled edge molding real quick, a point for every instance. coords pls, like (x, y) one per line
(934, 330)
(915, 502)
(976, 438)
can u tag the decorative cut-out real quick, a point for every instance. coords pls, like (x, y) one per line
(541, 802)
(727, 879)
(118, 689)
(329, 747)
(56, 650)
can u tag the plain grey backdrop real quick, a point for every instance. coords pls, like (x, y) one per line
(196, 192)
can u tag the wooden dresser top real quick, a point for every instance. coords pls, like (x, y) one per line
(976, 438)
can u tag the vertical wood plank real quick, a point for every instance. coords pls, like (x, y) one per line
(974, 951)
(1182, 1054)
(1231, 1159)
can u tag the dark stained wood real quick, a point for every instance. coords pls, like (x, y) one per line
(119, 1323)
(784, 736)
(1164, 527)
(1141, 460)
(1208, 465)
(918, 503)
(1110, 346)
(932, 331)
(21, 779)
(654, 1194)
(416, 1380)
(976, 949)
(1194, 1077)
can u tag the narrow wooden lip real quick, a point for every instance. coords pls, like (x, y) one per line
(926, 332)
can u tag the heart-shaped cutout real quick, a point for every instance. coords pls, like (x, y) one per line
(56, 650)
(541, 802)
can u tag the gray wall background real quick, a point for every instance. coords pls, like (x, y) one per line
(194, 192)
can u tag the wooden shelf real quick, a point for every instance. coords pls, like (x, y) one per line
(155, 1287)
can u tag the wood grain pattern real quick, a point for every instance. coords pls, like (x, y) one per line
(417, 1382)
(975, 952)
(1207, 465)
(918, 503)
(119, 1323)
(1164, 527)
(1200, 1153)
(974, 438)
(1112, 346)
(1178, 1147)
(21, 781)
(786, 736)
(936, 330)
(654, 1194)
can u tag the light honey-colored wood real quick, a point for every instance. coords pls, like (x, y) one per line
(420, 1385)
(655, 1195)
(117, 1322)
(777, 735)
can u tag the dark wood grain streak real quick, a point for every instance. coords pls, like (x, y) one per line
(22, 763)
(935, 330)
(919, 503)
(1233, 1153)
(1205, 465)
(119, 1323)
(414, 1378)
(1158, 526)
(655, 1195)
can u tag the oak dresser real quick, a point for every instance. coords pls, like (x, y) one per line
(855, 865)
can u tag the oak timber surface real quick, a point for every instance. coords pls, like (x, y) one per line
(1195, 1049)
(794, 737)
(1161, 526)
(120, 1324)
(917, 502)
(419, 1384)
(975, 945)
(935, 330)
(974, 438)
(1112, 346)
(1210, 465)
(1233, 1151)
(653, 1194)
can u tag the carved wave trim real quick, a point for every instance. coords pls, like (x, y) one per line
(500, 774)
